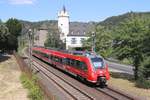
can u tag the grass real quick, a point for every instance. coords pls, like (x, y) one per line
(127, 83)
(34, 90)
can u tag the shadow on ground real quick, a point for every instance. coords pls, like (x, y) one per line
(3, 57)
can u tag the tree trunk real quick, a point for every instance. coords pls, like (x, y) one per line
(136, 73)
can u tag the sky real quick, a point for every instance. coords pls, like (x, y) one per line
(79, 10)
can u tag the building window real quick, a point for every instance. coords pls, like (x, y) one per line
(81, 40)
(73, 40)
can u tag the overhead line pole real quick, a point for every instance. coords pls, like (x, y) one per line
(94, 41)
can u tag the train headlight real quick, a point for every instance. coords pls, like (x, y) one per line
(93, 74)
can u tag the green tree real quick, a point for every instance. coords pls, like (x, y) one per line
(146, 42)
(3, 37)
(143, 80)
(88, 43)
(0, 21)
(146, 67)
(15, 28)
(53, 40)
(103, 41)
(129, 39)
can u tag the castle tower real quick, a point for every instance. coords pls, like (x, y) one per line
(63, 24)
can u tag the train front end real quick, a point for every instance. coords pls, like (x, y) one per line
(98, 73)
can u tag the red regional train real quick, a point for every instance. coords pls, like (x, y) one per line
(84, 65)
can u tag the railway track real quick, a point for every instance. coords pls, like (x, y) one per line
(108, 92)
(116, 95)
(73, 92)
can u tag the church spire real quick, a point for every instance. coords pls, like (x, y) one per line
(64, 8)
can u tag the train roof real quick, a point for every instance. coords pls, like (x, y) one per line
(66, 52)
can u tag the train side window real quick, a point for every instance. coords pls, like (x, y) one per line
(83, 66)
(57, 59)
(35, 51)
(64, 61)
(43, 54)
(51, 57)
(68, 61)
(46, 55)
(78, 64)
(40, 53)
(72, 62)
(61, 60)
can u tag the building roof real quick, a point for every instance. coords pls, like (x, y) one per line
(79, 28)
(63, 12)
(43, 27)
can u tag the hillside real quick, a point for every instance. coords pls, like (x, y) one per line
(81, 27)
(115, 20)
(52, 25)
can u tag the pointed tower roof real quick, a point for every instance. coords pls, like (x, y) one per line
(63, 12)
(64, 8)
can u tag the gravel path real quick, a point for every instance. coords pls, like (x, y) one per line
(10, 85)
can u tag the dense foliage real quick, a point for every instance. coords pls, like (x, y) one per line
(129, 39)
(4, 34)
(126, 37)
(9, 33)
(53, 40)
(103, 41)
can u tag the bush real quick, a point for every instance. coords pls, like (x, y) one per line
(34, 90)
(146, 67)
(143, 83)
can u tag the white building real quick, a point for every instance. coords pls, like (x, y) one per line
(75, 40)
(72, 39)
(63, 24)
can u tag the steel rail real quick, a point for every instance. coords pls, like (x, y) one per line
(72, 96)
(84, 93)
(108, 91)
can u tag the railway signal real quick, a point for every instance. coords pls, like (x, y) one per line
(94, 41)
(30, 45)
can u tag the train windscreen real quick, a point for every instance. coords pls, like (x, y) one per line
(98, 63)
